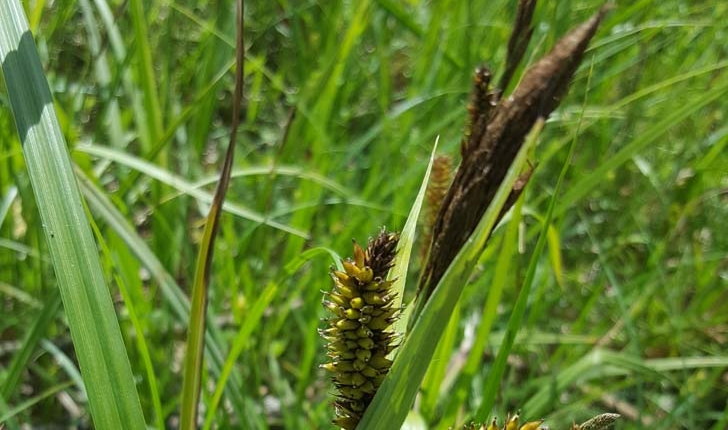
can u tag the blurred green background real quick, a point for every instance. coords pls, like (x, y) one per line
(344, 100)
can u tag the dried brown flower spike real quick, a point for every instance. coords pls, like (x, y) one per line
(487, 160)
(482, 101)
(359, 335)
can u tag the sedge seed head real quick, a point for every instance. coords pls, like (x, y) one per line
(359, 335)
(600, 422)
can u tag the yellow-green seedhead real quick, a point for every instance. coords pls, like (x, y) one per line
(511, 423)
(600, 422)
(359, 334)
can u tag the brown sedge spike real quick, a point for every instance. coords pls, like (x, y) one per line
(359, 333)
(482, 102)
(436, 189)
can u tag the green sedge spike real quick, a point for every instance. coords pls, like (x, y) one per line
(599, 422)
(359, 333)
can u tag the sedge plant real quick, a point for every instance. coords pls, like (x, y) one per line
(253, 359)
(485, 185)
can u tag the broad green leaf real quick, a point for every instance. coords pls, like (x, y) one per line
(171, 292)
(95, 332)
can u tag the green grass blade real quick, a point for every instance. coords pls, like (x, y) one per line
(514, 323)
(502, 275)
(22, 358)
(495, 376)
(395, 9)
(34, 335)
(5, 203)
(122, 280)
(649, 136)
(193, 363)
(146, 75)
(95, 331)
(252, 320)
(182, 185)
(66, 363)
(432, 384)
(5, 411)
(172, 293)
(102, 72)
(406, 240)
(9, 413)
(394, 398)
(600, 364)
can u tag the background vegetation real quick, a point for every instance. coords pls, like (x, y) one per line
(630, 312)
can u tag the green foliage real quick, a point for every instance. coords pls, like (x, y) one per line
(628, 308)
(108, 380)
